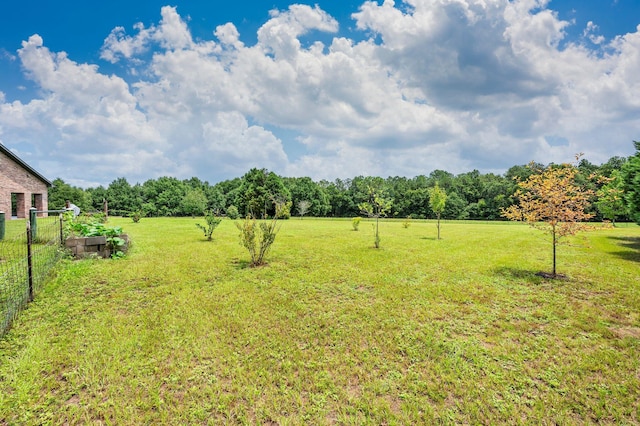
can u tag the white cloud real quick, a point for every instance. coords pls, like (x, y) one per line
(448, 84)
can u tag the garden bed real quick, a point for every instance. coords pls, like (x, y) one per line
(82, 247)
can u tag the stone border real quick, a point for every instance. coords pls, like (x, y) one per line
(82, 247)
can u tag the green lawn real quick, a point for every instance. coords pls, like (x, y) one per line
(332, 331)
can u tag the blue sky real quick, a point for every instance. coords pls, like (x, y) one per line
(320, 89)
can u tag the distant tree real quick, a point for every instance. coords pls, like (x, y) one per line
(455, 207)
(338, 198)
(614, 164)
(97, 196)
(469, 186)
(61, 191)
(194, 202)
(551, 201)
(259, 191)
(631, 184)
(610, 198)
(437, 202)
(122, 197)
(166, 194)
(216, 199)
(444, 179)
(377, 206)
(303, 207)
(232, 212)
(229, 190)
(303, 188)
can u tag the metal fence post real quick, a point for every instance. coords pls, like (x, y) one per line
(61, 230)
(1, 225)
(34, 224)
(29, 260)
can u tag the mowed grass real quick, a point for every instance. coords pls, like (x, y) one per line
(333, 331)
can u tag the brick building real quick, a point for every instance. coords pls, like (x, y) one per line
(21, 187)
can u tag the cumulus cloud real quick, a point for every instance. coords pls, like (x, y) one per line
(449, 84)
(171, 34)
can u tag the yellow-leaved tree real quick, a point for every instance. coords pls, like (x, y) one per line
(550, 200)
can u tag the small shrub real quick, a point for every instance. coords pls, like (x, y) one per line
(137, 215)
(115, 246)
(212, 222)
(258, 237)
(232, 212)
(284, 210)
(378, 206)
(355, 222)
(407, 222)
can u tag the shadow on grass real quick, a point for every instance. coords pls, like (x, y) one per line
(246, 264)
(632, 246)
(535, 277)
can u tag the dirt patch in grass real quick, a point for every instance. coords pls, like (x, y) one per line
(622, 332)
(550, 276)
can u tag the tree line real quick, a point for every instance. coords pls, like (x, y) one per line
(471, 195)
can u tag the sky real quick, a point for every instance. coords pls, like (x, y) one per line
(93, 91)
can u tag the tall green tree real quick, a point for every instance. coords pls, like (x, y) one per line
(60, 191)
(165, 194)
(304, 189)
(194, 203)
(342, 205)
(122, 197)
(98, 195)
(631, 184)
(610, 198)
(260, 192)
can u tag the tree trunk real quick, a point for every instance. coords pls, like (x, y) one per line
(555, 243)
(377, 239)
(438, 226)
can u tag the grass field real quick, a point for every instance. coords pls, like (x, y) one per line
(332, 331)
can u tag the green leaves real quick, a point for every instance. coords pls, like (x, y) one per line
(212, 222)
(378, 206)
(94, 229)
(631, 184)
(437, 202)
(257, 238)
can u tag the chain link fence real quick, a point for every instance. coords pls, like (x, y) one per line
(28, 251)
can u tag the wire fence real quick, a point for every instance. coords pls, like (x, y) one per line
(28, 251)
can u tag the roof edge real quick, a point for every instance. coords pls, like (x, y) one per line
(24, 165)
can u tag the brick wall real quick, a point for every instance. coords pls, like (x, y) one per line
(15, 179)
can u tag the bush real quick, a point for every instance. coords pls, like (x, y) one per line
(355, 222)
(212, 222)
(257, 238)
(284, 210)
(232, 212)
(137, 215)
